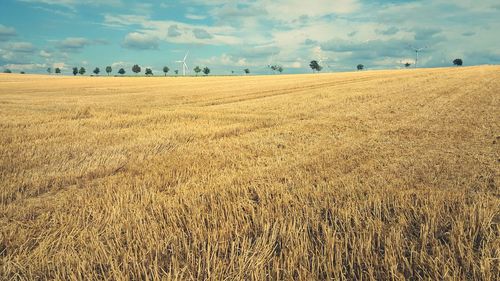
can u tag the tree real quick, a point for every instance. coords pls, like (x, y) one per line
(108, 69)
(58, 70)
(407, 64)
(75, 71)
(149, 71)
(166, 70)
(22, 72)
(136, 68)
(97, 70)
(360, 67)
(176, 72)
(49, 70)
(121, 71)
(197, 69)
(206, 70)
(7, 71)
(273, 68)
(276, 67)
(315, 66)
(246, 70)
(458, 62)
(82, 70)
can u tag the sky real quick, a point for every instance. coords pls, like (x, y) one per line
(230, 36)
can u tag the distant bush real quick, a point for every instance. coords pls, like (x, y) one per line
(136, 68)
(197, 70)
(206, 70)
(458, 62)
(315, 66)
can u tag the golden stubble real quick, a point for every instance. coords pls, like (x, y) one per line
(386, 175)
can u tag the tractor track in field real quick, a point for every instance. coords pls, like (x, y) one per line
(281, 92)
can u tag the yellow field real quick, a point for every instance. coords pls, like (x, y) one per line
(370, 175)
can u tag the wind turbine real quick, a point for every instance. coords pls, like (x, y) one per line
(270, 62)
(184, 65)
(322, 59)
(417, 50)
(324, 62)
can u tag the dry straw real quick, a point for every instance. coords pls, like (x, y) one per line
(386, 175)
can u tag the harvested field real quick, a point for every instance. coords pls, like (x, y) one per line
(386, 175)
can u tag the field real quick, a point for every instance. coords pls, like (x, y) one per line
(385, 175)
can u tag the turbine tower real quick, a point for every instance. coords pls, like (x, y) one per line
(323, 61)
(417, 50)
(271, 61)
(184, 65)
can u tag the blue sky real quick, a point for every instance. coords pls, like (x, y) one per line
(233, 35)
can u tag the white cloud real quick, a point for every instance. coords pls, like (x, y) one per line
(475, 6)
(120, 64)
(25, 67)
(282, 10)
(296, 64)
(229, 60)
(140, 41)
(73, 3)
(173, 31)
(16, 52)
(76, 44)
(52, 2)
(21, 47)
(6, 32)
(60, 65)
(195, 17)
(142, 8)
(292, 9)
(73, 43)
(176, 32)
(201, 33)
(45, 54)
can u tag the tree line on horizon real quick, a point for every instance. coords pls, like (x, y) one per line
(135, 68)
(314, 65)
